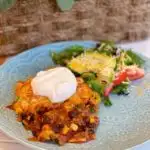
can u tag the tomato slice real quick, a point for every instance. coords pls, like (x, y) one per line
(130, 73)
(108, 90)
(135, 73)
(120, 78)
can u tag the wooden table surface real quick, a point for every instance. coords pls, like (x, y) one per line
(2, 59)
(7, 143)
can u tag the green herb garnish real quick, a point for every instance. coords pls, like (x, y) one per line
(18, 98)
(96, 86)
(121, 89)
(134, 59)
(92, 110)
(107, 101)
(87, 76)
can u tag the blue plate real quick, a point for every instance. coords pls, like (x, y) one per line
(123, 125)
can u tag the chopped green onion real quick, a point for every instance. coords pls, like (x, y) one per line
(107, 101)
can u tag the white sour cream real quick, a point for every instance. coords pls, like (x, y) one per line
(57, 84)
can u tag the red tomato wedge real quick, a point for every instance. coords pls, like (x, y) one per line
(122, 76)
(133, 73)
(108, 90)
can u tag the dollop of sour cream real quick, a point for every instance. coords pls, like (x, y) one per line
(57, 84)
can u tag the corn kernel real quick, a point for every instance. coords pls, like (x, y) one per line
(74, 127)
(46, 127)
(92, 120)
(18, 110)
(65, 130)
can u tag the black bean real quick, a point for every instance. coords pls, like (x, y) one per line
(57, 128)
(91, 130)
(34, 133)
(23, 116)
(73, 113)
(32, 118)
(86, 120)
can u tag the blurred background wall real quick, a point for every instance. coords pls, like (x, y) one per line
(34, 22)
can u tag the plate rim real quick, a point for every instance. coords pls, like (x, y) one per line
(20, 141)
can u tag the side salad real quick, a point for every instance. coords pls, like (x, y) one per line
(105, 68)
